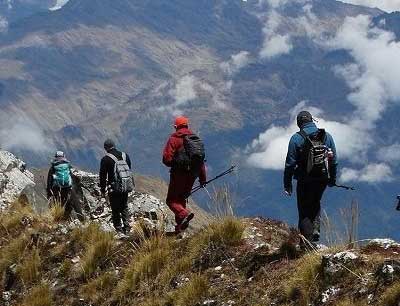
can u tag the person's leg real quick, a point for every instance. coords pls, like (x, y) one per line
(66, 202)
(303, 205)
(176, 197)
(318, 189)
(125, 213)
(115, 203)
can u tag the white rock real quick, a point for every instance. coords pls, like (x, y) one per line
(328, 294)
(14, 180)
(384, 243)
(219, 268)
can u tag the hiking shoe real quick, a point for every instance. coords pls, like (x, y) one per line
(127, 230)
(185, 223)
(316, 236)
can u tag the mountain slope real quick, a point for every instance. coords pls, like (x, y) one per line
(123, 69)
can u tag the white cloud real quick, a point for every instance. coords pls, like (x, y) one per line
(24, 134)
(374, 77)
(275, 44)
(372, 173)
(236, 63)
(385, 5)
(59, 4)
(268, 151)
(3, 24)
(373, 80)
(389, 154)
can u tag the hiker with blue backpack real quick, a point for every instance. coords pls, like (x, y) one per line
(59, 186)
(116, 180)
(312, 161)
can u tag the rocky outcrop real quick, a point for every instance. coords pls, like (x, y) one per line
(142, 206)
(15, 180)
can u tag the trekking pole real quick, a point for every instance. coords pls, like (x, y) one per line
(197, 188)
(398, 204)
(345, 187)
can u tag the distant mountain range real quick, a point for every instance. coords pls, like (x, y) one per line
(94, 69)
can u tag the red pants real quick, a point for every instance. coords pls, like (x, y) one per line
(180, 186)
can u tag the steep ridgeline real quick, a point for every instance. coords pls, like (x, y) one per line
(18, 184)
(249, 262)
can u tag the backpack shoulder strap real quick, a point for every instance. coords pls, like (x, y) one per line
(305, 136)
(114, 158)
(123, 156)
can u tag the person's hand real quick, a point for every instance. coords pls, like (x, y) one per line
(288, 190)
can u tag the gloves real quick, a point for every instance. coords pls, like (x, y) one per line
(203, 184)
(332, 182)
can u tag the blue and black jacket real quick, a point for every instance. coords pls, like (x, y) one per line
(293, 165)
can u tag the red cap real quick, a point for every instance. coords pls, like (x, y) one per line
(181, 121)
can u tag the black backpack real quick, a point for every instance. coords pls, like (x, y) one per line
(191, 157)
(315, 161)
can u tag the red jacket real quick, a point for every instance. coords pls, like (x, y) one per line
(174, 144)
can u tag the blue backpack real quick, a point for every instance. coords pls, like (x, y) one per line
(62, 175)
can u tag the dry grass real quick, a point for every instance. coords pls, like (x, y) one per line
(12, 252)
(391, 297)
(146, 265)
(29, 269)
(65, 268)
(350, 302)
(227, 232)
(13, 218)
(192, 293)
(98, 247)
(56, 212)
(99, 289)
(39, 296)
(303, 286)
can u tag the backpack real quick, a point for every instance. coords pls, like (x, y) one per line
(62, 175)
(315, 160)
(191, 157)
(123, 181)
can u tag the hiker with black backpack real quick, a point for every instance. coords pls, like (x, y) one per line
(184, 153)
(312, 161)
(116, 179)
(59, 185)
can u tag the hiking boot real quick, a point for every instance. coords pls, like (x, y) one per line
(316, 236)
(127, 230)
(185, 222)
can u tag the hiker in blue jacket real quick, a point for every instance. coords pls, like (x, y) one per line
(312, 161)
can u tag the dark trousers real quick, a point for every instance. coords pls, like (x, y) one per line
(309, 196)
(64, 197)
(119, 208)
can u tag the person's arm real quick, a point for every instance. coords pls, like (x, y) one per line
(333, 163)
(169, 152)
(103, 175)
(290, 166)
(128, 161)
(49, 181)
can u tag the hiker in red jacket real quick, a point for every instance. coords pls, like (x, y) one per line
(181, 180)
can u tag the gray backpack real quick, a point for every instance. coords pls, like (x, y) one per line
(123, 180)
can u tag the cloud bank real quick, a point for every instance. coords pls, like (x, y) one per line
(385, 5)
(58, 5)
(25, 135)
(373, 81)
